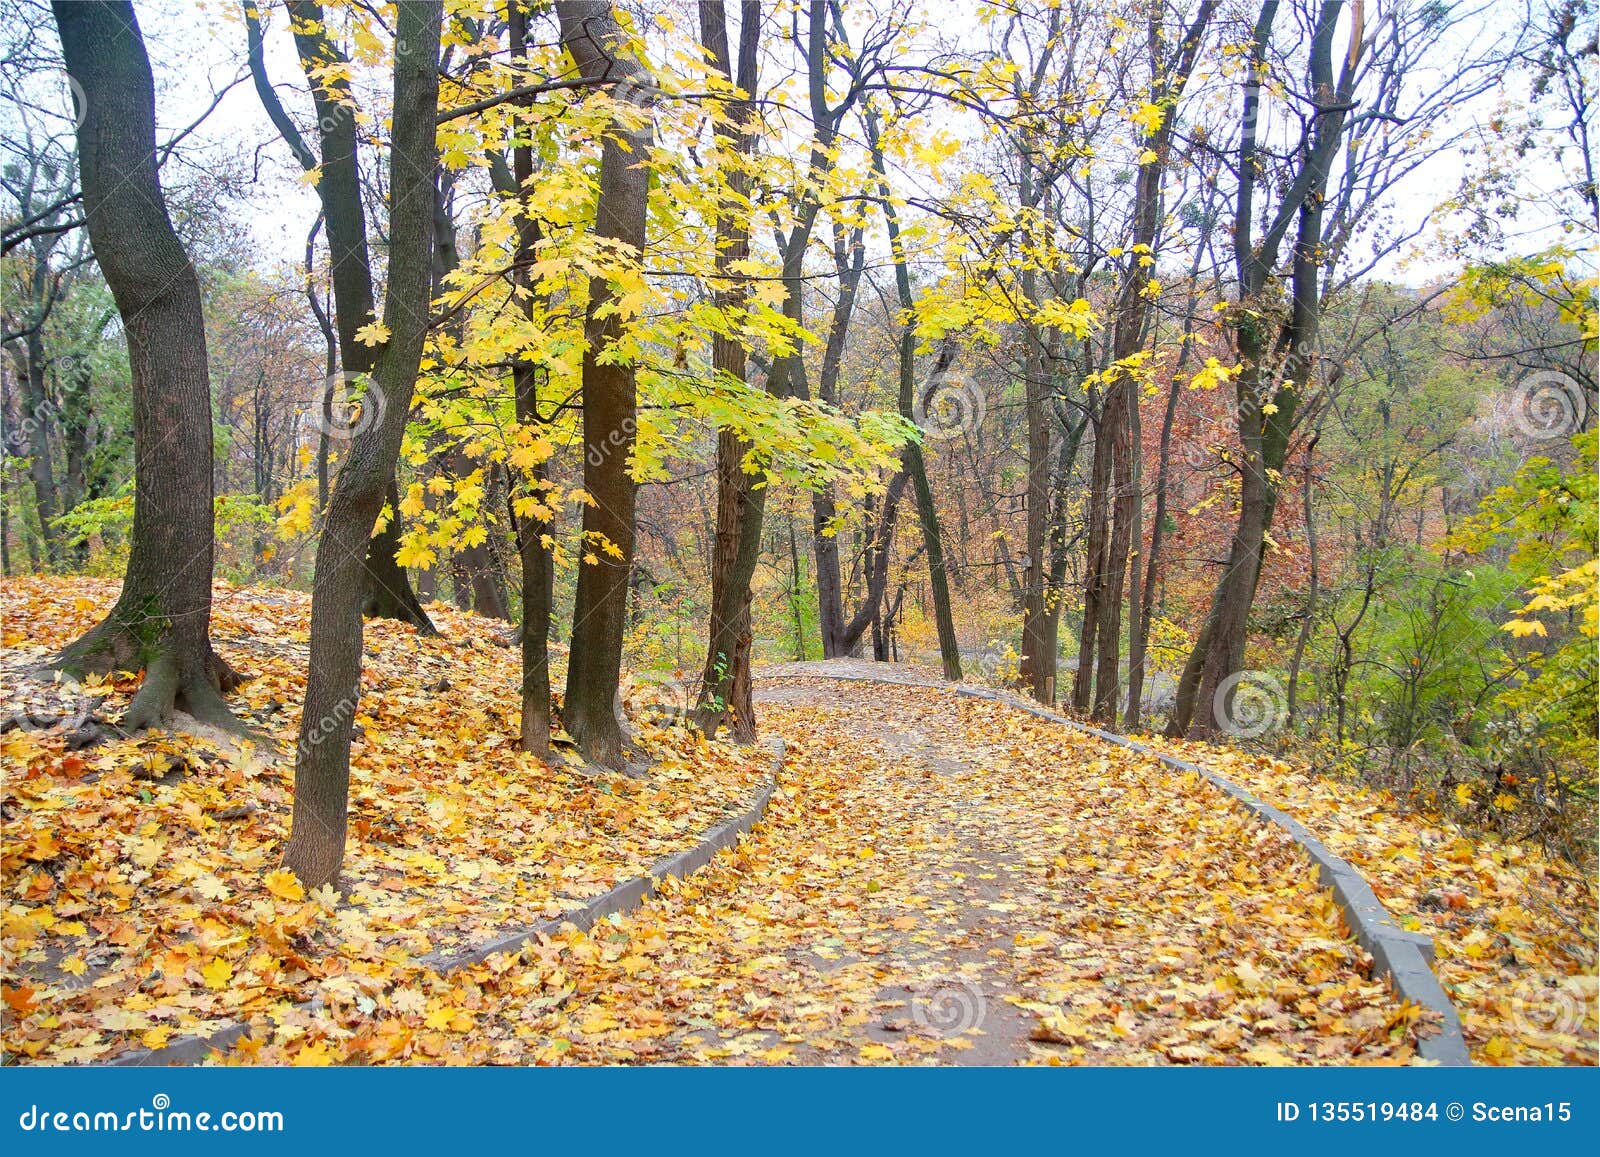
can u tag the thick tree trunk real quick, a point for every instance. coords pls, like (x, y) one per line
(161, 621)
(315, 851)
(591, 35)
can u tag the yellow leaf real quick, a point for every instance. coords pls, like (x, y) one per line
(374, 333)
(217, 974)
(283, 884)
(313, 1056)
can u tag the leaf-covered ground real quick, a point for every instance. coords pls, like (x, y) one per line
(1514, 930)
(142, 899)
(946, 881)
(938, 880)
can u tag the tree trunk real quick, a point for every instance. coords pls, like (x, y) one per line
(1206, 695)
(161, 621)
(36, 408)
(1117, 478)
(538, 564)
(591, 35)
(315, 851)
(388, 589)
(472, 568)
(1308, 623)
(1039, 620)
(726, 692)
(911, 457)
(837, 639)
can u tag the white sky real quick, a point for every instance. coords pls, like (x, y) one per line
(197, 48)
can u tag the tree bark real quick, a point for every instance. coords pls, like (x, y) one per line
(726, 692)
(590, 33)
(472, 568)
(161, 621)
(538, 564)
(1264, 429)
(315, 851)
(388, 589)
(1040, 623)
(911, 457)
(838, 640)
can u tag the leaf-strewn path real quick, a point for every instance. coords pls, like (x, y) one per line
(948, 880)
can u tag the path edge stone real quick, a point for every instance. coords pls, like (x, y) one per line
(1404, 957)
(625, 897)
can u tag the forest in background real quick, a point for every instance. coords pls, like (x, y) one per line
(1219, 369)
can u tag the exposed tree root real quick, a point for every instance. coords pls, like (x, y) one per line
(172, 681)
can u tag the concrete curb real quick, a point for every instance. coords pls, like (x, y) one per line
(1404, 957)
(629, 894)
(625, 897)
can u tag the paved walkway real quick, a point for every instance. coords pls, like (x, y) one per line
(944, 880)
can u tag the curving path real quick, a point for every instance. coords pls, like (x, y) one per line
(948, 880)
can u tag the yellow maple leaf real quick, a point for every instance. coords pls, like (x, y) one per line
(283, 883)
(217, 974)
(373, 333)
(313, 1056)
